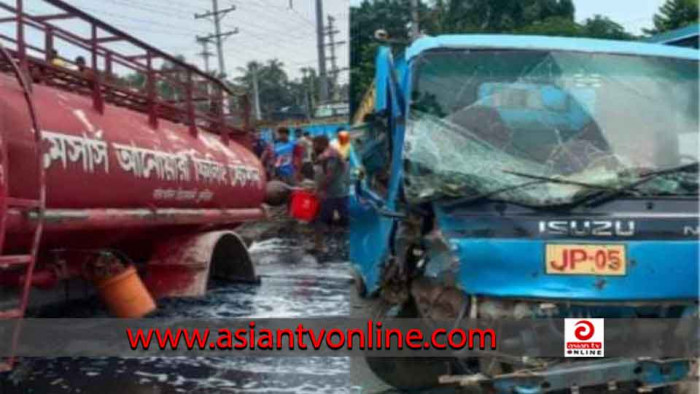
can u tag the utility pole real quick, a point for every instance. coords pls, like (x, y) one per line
(256, 92)
(320, 42)
(332, 44)
(205, 54)
(308, 76)
(415, 26)
(218, 37)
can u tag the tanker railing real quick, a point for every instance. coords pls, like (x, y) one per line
(193, 88)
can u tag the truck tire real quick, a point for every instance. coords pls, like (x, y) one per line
(403, 373)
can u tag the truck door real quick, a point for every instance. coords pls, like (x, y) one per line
(373, 203)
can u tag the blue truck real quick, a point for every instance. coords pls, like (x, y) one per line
(527, 177)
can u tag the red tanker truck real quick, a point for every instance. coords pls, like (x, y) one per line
(110, 182)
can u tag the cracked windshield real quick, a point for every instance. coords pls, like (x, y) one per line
(549, 128)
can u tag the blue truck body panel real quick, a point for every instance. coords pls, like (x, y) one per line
(685, 36)
(658, 270)
(518, 42)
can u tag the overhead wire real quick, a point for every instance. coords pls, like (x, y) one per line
(290, 32)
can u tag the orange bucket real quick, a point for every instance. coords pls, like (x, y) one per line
(125, 294)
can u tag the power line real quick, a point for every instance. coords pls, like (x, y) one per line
(275, 41)
(205, 54)
(332, 44)
(321, 48)
(288, 40)
(146, 7)
(276, 35)
(280, 20)
(218, 37)
(284, 34)
(138, 20)
(303, 18)
(296, 13)
(180, 5)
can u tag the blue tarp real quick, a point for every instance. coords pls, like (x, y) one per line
(328, 129)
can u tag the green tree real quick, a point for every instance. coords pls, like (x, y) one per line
(275, 89)
(393, 16)
(167, 89)
(603, 27)
(464, 16)
(553, 26)
(538, 17)
(673, 15)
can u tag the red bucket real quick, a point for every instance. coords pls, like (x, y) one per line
(305, 205)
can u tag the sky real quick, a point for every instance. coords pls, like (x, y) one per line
(633, 15)
(267, 29)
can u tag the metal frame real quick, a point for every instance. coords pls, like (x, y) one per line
(196, 85)
(574, 376)
(28, 261)
(27, 62)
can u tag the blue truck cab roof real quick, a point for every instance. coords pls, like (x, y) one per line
(678, 37)
(524, 42)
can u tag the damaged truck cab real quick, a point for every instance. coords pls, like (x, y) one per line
(522, 177)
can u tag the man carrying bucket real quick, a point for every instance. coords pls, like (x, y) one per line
(331, 189)
(344, 145)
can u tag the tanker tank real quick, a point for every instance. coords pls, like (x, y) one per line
(135, 190)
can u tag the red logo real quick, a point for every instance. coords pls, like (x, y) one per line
(584, 337)
(584, 330)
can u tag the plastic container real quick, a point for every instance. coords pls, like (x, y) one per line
(125, 294)
(304, 206)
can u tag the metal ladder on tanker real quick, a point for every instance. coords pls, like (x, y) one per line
(26, 261)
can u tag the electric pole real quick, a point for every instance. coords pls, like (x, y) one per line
(308, 77)
(320, 42)
(415, 26)
(332, 44)
(205, 54)
(218, 37)
(256, 92)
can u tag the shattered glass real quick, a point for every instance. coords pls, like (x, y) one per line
(494, 123)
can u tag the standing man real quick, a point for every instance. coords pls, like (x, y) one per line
(264, 152)
(343, 145)
(284, 152)
(331, 188)
(298, 156)
(305, 149)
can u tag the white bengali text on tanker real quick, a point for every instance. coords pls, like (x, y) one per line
(144, 163)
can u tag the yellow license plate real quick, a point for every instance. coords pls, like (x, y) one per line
(586, 259)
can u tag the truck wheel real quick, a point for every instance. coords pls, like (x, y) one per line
(359, 284)
(230, 260)
(685, 388)
(407, 374)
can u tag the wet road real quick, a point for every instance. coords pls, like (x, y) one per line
(294, 284)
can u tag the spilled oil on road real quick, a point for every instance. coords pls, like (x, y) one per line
(293, 284)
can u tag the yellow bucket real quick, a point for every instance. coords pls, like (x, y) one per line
(125, 294)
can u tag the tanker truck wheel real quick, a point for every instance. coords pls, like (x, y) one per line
(230, 261)
(403, 373)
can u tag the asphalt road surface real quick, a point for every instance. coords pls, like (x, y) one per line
(293, 284)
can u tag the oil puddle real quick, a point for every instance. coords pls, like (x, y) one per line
(293, 284)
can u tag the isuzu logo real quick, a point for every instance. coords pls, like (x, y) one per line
(582, 228)
(690, 230)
